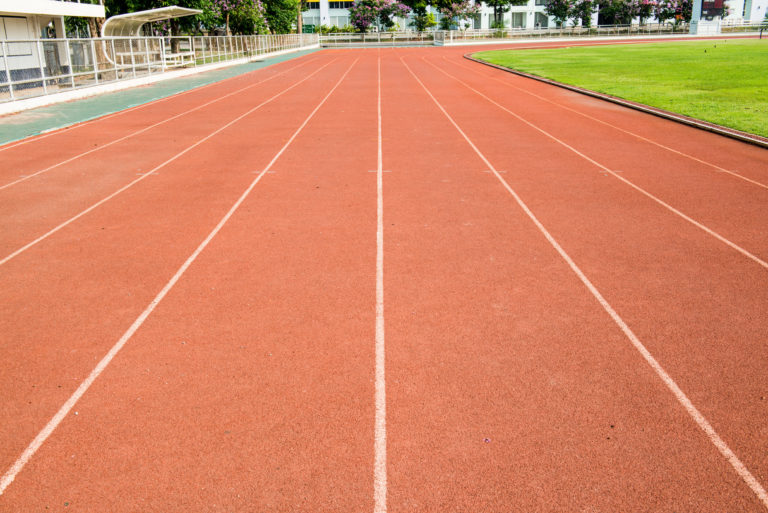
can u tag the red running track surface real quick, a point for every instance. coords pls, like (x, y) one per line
(609, 358)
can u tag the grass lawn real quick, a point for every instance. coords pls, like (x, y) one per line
(721, 81)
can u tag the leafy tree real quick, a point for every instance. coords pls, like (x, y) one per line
(644, 9)
(363, 14)
(423, 21)
(581, 10)
(617, 12)
(665, 10)
(366, 12)
(281, 14)
(461, 10)
(245, 16)
(558, 9)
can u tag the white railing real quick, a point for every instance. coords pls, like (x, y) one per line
(44, 66)
(743, 26)
(458, 36)
(400, 38)
(440, 37)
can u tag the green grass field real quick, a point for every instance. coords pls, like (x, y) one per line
(721, 81)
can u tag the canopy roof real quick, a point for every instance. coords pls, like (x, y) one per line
(129, 25)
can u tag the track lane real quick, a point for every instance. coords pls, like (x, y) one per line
(504, 79)
(66, 302)
(710, 203)
(711, 198)
(685, 298)
(510, 387)
(750, 161)
(252, 379)
(47, 149)
(25, 175)
(86, 199)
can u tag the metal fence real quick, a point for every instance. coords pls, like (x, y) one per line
(44, 66)
(440, 37)
(727, 26)
(401, 38)
(458, 36)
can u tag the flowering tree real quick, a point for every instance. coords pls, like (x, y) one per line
(458, 11)
(581, 10)
(644, 9)
(665, 10)
(247, 16)
(560, 10)
(366, 12)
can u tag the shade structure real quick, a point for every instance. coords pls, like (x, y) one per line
(129, 25)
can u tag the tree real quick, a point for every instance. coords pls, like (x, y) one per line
(281, 14)
(665, 10)
(366, 12)
(461, 10)
(500, 7)
(363, 14)
(617, 12)
(246, 16)
(423, 21)
(582, 10)
(560, 10)
(644, 9)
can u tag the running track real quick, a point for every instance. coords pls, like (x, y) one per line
(383, 280)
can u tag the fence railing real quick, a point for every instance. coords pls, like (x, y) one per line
(400, 38)
(453, 36)
(38, 67)
(440, 37)
(727, 26)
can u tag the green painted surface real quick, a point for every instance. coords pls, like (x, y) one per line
(31, 122)
(721, 81)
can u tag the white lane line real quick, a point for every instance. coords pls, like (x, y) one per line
(55, 131)
(669, 207)
(380, 432)
(638, 136)
(38, 441)
(700, 420)
(142, 130)
(151, 172)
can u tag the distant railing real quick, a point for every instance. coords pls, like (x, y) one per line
(401, 38)
(457, 36)
(440, 37)
(727, 26)
(44, 66)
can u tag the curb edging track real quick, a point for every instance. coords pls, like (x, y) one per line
(679, 118)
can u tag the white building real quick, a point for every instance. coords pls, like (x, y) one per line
(752, 11)
(335, 14)
(531, 15)
(37, 19)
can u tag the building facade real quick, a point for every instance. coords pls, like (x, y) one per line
(22, 20)
(529, 16)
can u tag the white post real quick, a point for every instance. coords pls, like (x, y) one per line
(133, 59)
(69, 59)
(42, 68)
(148, 57)
(95, 61)
(7, 68)
(162, 53)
